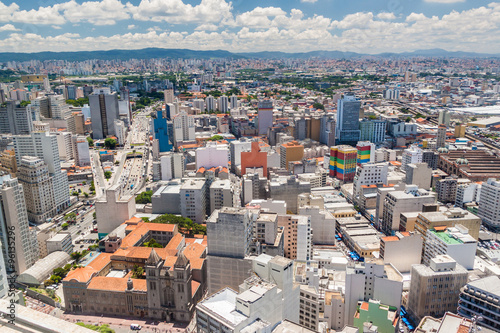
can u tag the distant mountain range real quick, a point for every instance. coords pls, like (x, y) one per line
(150, 53)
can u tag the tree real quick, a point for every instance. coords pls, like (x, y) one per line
(24, 103)
(216, 138)
(152, 243)
(90, 141)
(318, 106)
(86, 195)
(107, 174)
(137, 272)
(75, 193)
(372, 117)
(70, 216)
(110, 143)
(473, 119)
(144, 197)
(186, 225)
(64, 225)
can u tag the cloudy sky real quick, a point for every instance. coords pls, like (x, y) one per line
(367, 26)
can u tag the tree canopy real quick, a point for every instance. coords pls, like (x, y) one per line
(186, 225)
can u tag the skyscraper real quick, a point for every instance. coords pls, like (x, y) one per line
(184, 128)
(348, 120)
(15, 119)
(33, 174)
(14, 226)
(265, 116)
(441, 136)
(104, 111)
(161, 132)
(489, 205)
(233, 102)
(223, 104)
(44, 146)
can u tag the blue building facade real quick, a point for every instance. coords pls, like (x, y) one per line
(161, 132)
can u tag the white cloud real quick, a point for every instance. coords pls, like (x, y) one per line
(56, 27)
(105, 12)
(308, 1)
(207, 27)
(386, 16)
(9, 27)
(131, 26)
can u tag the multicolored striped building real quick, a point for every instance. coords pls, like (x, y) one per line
(343, 162)
(365, 151)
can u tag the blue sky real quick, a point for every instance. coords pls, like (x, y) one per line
(368, 26)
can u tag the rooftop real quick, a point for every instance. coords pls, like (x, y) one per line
(490, 284)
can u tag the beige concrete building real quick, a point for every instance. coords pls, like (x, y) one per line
(8, 162)
(402, 250)
(419, 174)
(289, 152)
(448, 218)
(297, 232)
(112, 209)
(33, 174)
(435, 289)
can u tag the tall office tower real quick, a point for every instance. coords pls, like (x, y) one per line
(172, 166)
(371, 280)
(343, 162)
(233, 102)
(444, 118)
(411, 199)
(42, 105)
(193, 200)
(184, 128)
(161, 132)
(82, 150)
(103, 113)
(223, 104)
(290, 152)
(210, 103)
(44, 146)
(480, 298)
(348, 120)
(168, 95)
(87, 90)
(411, 155)
(58, 107)
(229, 235)
(124, 106)
(441, 136)
(235, 150)
(327, 130)
(489, 203)
(15, 119)
(14, 228)
(372, 130)
(33, 174)
(71, 92)
(199, 104)
(265, 116)
(435, 289)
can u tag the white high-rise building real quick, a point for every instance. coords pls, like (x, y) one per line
(223, 104)
(489, 203)
(82, 151)
(15, 119)
(233, 102)
(58, 107)
(104, 111)
(65, 145)
(467, 193)
(235, 150)
(44, 146)
(168, 95)
(210, 103)
(411, 155)
(193, 200)
(322, 224)
(370, 174)
(184, 128)
(199, 104)
(211, 156)
(172, 166)
(17, 240)
(265, 116)
(221, 194)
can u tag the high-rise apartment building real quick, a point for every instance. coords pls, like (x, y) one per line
(184, 128)
(15, 119)
(265, 116)
(223, 104)
(411, 155)
(233, 102)
(33, 174)
(419, 174)
(435, 288)
(44, 146)
(298, 236)
(193, 200)
(372, 130)
(290, 152)
(441, 136)
(447, 189)
(17, 240)
(466, 193)
(348, 120)
(82, 151)
(221, 194)
(210, 103)
(104, 111)
(235, 150)
(168, 95)
(489, 203)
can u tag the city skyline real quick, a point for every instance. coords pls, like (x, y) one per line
(243, 26)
